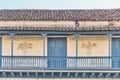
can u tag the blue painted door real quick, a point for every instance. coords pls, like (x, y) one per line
(0, 52)
(57, 51)
(116, 53)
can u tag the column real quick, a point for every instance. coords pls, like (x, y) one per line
(12, 48)
(109, 48)
(77, 39)
(109, 44)
(44, 36)
(12, 43)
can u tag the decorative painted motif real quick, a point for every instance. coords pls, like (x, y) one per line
(111, 23)
(88, 46)
(25, 46)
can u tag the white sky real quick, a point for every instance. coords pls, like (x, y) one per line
(59, 4)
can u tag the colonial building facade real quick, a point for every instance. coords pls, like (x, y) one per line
(60, 44)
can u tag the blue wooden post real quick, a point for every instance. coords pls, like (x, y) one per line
(77, 39)
(44, 36)
(12, 47)
(12, 43)
(109, 47)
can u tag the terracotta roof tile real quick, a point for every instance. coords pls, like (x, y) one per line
(58, 15)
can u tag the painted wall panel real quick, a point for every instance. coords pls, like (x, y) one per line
(23, 46)
(93, 46)
(71, 46)
(88, 46)
(6, 46)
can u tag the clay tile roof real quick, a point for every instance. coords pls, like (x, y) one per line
(60, 15)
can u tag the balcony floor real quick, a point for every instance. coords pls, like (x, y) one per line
(59, 74)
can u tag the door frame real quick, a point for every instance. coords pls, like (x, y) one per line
(57, 37)
(48, 47)
(113, 38)
(111, 42)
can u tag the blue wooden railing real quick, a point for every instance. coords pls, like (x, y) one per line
(72, 63)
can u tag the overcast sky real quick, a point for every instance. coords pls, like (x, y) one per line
(59, 4)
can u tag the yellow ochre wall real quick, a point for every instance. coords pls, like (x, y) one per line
(88, 45)
(36, 50)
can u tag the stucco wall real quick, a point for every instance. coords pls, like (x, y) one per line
(88, 46)
(36, 23)
(56, 23)
(33, 46)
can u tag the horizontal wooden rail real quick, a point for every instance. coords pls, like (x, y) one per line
(44, 62)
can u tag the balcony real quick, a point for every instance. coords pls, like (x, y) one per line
(53, 63)
(59, 67)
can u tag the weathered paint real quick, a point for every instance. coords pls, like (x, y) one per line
(57, 47)
(101, 48)
(55, 23)
(36, 23)
(36, 50)
(115, 52)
